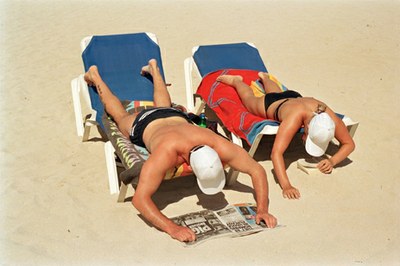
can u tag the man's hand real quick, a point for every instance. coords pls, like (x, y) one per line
(182, 234)
(291, 193)
(325, 166)
(269, 219)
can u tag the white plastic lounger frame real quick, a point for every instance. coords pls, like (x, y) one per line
(191, 97)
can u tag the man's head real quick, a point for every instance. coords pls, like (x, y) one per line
(208, 169)
(321, 131)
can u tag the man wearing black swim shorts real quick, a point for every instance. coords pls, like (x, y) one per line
(293, 112)
(171, 141)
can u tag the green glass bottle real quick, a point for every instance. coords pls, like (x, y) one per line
(203, 120)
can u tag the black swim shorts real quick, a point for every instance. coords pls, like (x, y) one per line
(145, 117)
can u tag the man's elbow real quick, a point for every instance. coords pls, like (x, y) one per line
(275, 155)
(351, 146)
(140, 201)
(135, 201)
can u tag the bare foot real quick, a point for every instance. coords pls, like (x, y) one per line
(150, 68)
(263, 76)
(230, 79)
(91, 75)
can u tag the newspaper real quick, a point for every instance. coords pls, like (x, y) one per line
(231, 221)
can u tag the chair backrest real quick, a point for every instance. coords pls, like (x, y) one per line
(210, 58)
(119, 59)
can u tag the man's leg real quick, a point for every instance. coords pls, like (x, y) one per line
(254, 104)
(269, 85)
(161, 95)
(112, 104)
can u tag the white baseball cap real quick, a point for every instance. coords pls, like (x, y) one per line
(321, 131)
(208, 169)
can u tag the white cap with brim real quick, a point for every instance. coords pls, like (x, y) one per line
(321, 131)
(208, 169)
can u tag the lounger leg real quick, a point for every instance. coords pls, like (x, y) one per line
(86, 132)
(255, 144)
(232, 177)
(122, 192)
(111, 168)
(352, 129)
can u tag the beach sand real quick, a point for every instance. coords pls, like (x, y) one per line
(56, 208)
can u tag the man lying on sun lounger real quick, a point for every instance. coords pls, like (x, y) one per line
(172, 140)
(294, 111)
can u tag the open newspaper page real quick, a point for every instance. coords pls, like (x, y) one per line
(205, 224)
(240, 218)
(232, 221)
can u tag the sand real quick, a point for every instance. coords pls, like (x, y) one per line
(55, 204)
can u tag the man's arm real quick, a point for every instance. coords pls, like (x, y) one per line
(151, 176)
(284, 136)
(241, 161)
(347, 145)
